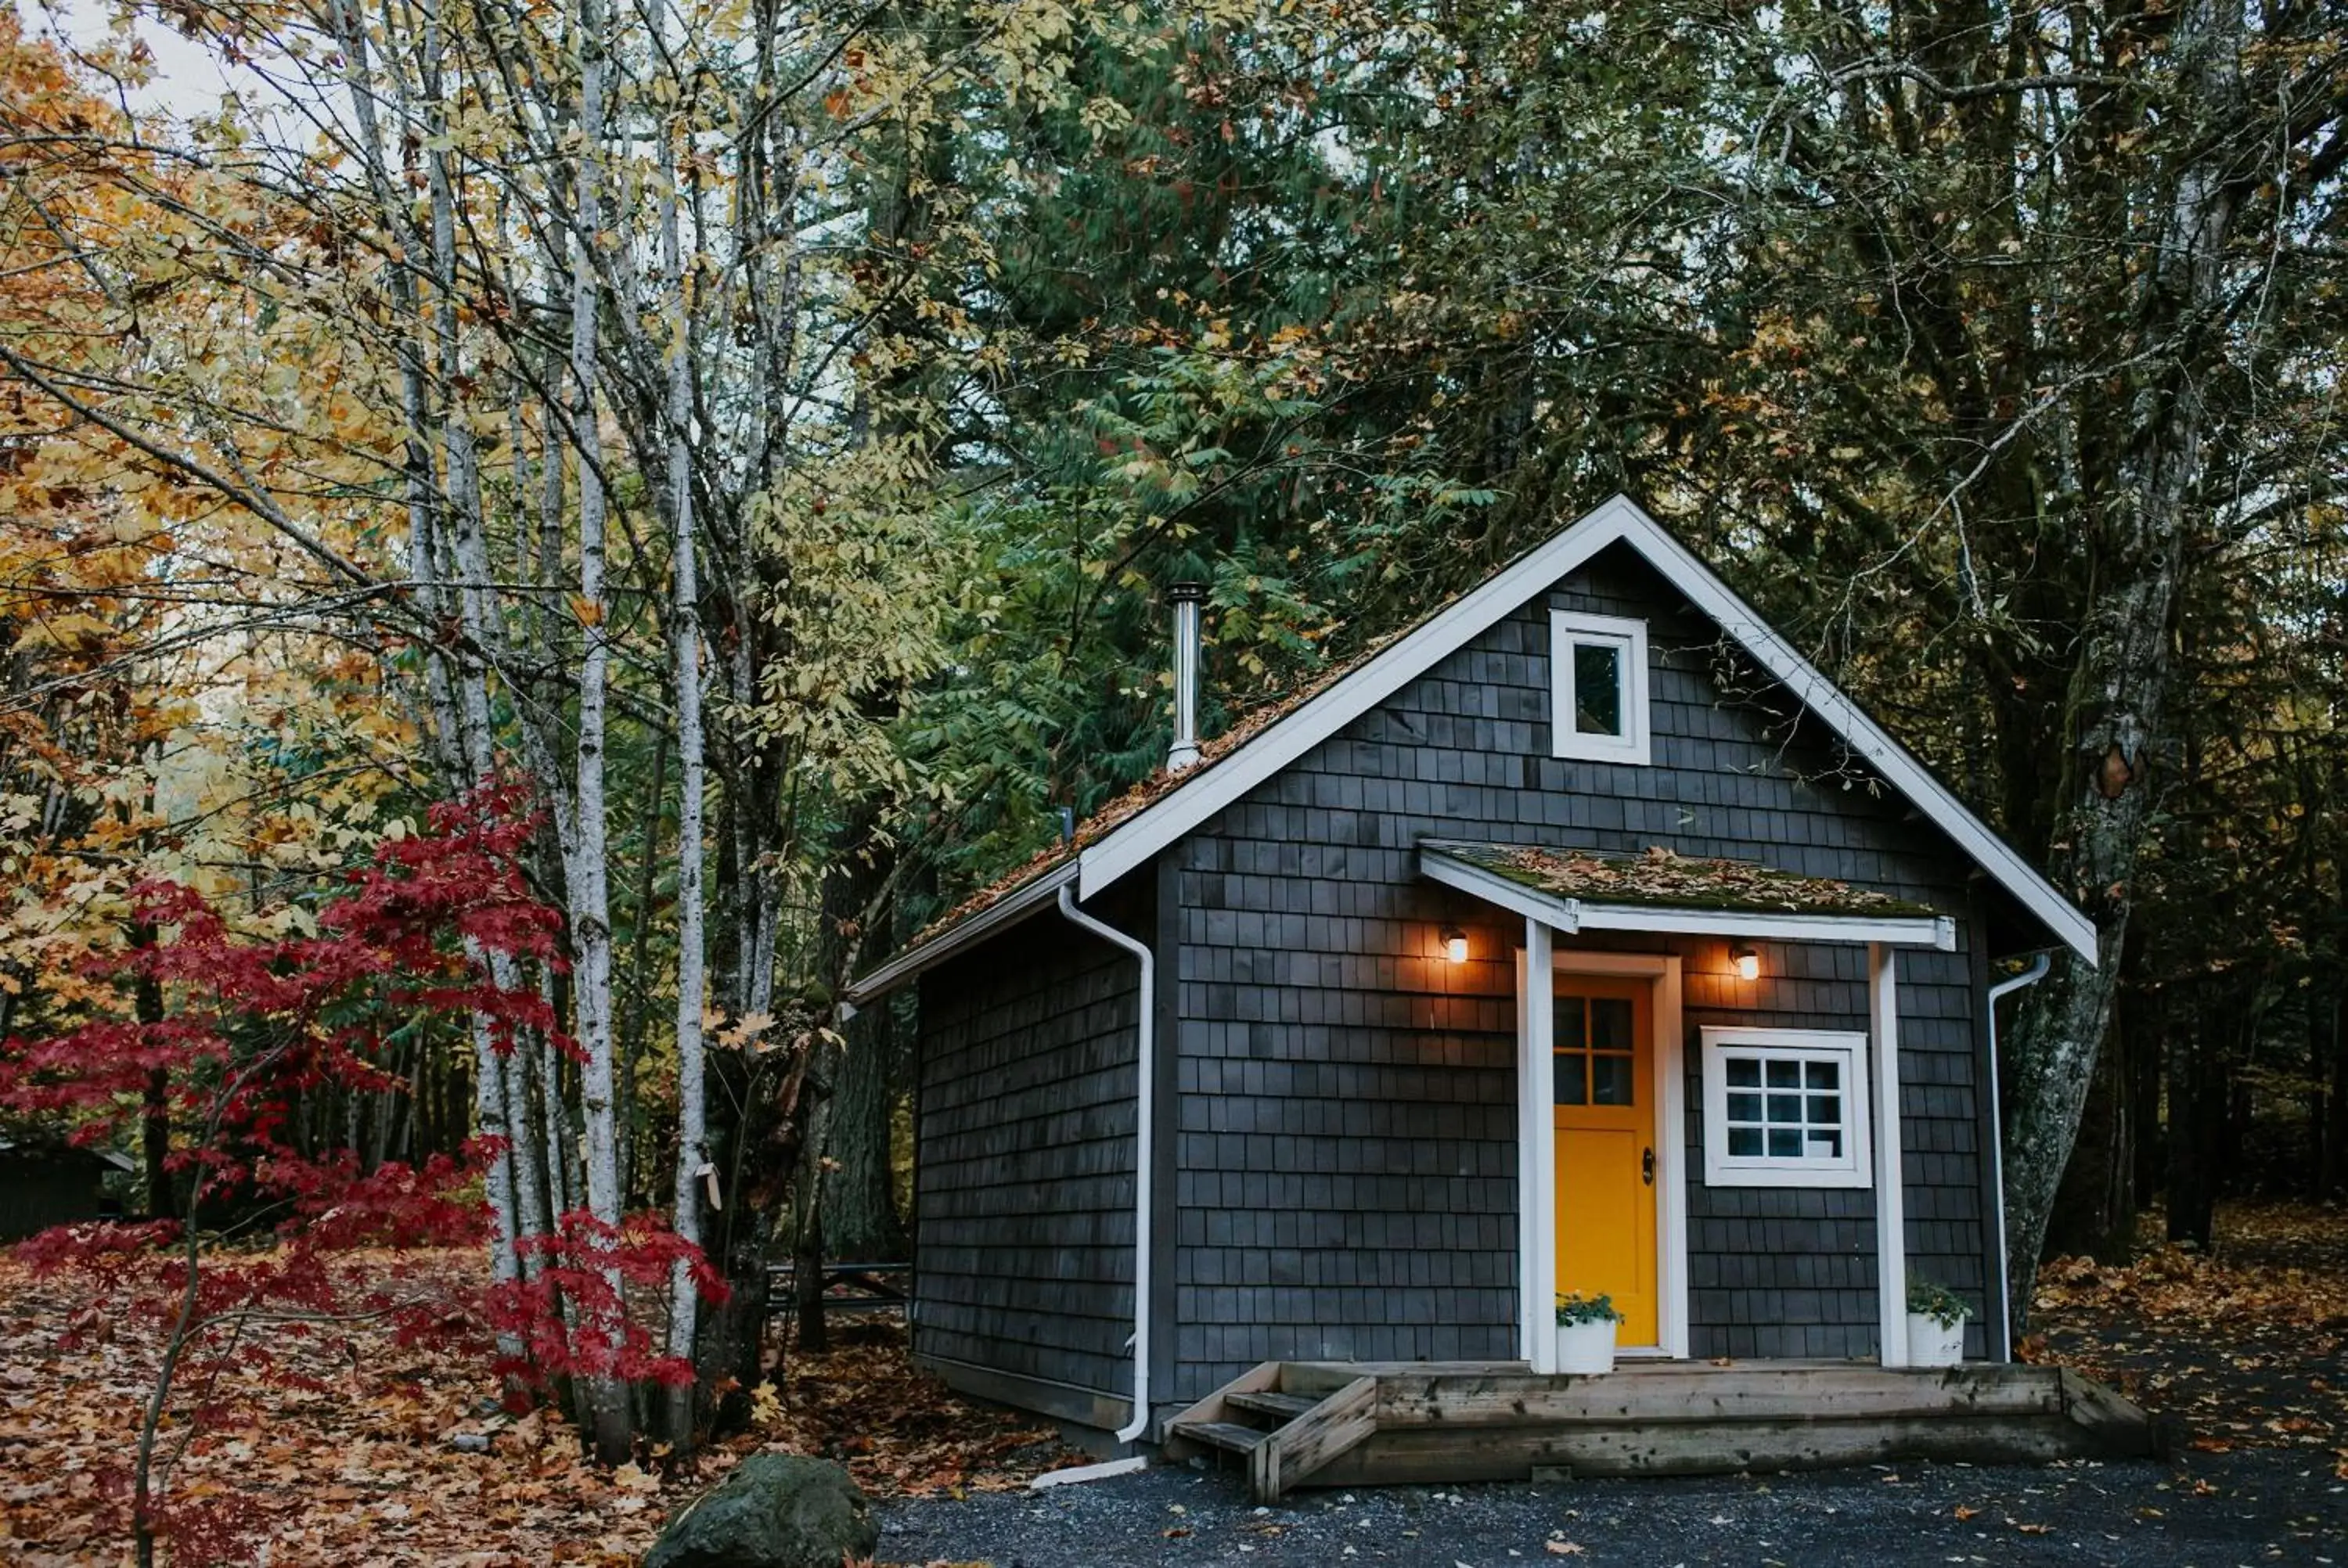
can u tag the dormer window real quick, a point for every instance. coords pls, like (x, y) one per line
(1598, 687)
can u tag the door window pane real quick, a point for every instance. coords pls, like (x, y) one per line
(1573, 1078)
(1596, 689)
(1610, 1081)
(1610, 1023)
(1570, 1032)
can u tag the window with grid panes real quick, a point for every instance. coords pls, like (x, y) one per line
(1785, 1108)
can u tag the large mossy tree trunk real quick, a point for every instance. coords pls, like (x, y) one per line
(2119, 687)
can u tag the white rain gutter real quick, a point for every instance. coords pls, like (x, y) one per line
(1145, 1055)
(2036, 972)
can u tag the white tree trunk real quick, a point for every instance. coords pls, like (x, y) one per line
(459, 721)
(588, 874)
(692, 1134)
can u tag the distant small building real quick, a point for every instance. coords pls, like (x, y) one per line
(45, 1183)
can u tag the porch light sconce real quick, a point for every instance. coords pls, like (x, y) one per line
(1746, 963)
(1455, 944)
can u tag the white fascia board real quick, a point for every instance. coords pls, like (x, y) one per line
(1900, 769)
(1556, 913)
(1761, 926)
(1227, 781)
(1007, 911)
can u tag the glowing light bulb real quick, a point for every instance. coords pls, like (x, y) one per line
(1748, 963)
(1455, 944)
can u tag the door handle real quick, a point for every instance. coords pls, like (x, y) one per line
(1647, 1167)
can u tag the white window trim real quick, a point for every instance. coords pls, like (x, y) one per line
(1566, 627)
(1856, 1166)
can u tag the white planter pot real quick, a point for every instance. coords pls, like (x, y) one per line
(1585, 1347)
(1931, 1345)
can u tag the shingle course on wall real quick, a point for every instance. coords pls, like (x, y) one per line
(1025, 1190)
(1321, 1036)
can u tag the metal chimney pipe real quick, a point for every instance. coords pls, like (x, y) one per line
(1186, 598)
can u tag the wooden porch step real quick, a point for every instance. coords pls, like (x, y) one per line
(1229, 1436)
(1308, 1429)
(1350, 1424)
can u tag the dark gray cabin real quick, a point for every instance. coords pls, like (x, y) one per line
(47, 1181)
(1578, 940)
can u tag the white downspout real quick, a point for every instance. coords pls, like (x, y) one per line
(2036, 972)
(1146, 1064)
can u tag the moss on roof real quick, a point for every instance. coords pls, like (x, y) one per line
(1664, 878)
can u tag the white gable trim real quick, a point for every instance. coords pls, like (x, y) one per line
(1231, 778)
(1619, 520)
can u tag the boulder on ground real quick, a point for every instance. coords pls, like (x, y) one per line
(775, 1511)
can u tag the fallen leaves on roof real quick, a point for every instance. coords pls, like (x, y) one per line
(1664, 876)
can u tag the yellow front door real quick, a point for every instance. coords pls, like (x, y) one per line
(1605, 1113)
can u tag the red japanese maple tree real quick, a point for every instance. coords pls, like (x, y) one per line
(255, 1025)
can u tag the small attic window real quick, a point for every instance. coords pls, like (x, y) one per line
(1598, 687)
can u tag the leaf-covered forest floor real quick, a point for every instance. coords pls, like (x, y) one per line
(346, 1452)
(2246, 1346)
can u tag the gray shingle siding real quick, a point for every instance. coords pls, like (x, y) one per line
(1347, 1168)
(1337, 1163)
(1790, 1271)
(1024, 1208)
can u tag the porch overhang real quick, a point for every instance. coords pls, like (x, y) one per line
(1574, 890)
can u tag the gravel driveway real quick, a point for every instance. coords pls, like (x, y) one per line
(2221, 1510)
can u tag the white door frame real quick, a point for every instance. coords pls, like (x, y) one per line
(1538, 962)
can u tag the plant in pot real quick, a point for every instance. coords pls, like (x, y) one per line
(1585, 1333)
(1936, 1323)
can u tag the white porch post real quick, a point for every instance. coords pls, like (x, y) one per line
(1537, 1164)
(1891, 1206)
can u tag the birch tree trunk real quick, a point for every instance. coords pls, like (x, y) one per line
(693, 1163)
(591, 917)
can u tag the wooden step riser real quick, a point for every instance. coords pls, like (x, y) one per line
(1442, 1455)
(1275, 1408)
(1728, 1396)
(1227, 1436)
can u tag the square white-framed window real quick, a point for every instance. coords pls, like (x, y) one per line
(1785, 1108)
(1598, 687)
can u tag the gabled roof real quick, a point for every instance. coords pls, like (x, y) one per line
(1166, 813)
